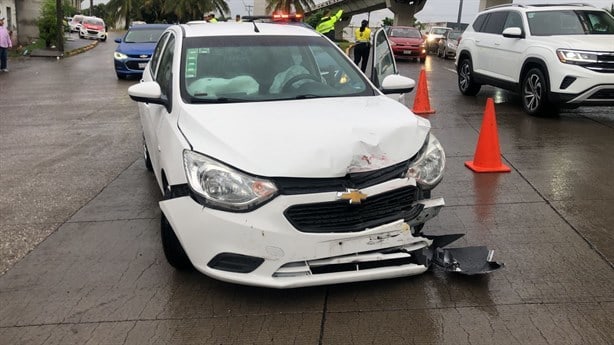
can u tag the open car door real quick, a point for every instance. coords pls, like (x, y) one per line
(382, 63)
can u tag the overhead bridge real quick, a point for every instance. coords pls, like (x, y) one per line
(404, 10)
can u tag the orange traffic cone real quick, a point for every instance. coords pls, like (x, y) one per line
(487, 156)
(422, 105)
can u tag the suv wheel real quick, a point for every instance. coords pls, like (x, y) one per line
(534, 93)
(466, 84)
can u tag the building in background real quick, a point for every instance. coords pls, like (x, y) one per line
(7, 10)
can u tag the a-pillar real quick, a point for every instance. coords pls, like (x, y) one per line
(403, 13)
(339, 26)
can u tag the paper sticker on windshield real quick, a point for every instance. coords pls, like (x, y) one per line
(203, 50)
(191, 61)
(530, 15)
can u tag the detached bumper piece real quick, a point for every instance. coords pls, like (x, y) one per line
(466, 260)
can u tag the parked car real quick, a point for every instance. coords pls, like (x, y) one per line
(283, 168)
(135, 49)
(75, 23)
(93, 27)
(553, 55)
(433, 36)
(407, 43)
(447, 45)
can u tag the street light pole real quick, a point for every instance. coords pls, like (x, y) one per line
(460, 12)
(59, 13)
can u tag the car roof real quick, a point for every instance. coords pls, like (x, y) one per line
(200, 29)
(544, 7)
(149, 26)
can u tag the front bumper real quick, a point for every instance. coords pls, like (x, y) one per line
(130, 66)
(291, 258)
(408, 52)
(93, 34)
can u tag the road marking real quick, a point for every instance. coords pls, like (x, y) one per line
(450, 69)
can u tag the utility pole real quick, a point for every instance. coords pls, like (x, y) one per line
(460, 12)
(92, 5)
(248, 8)
(59, 13)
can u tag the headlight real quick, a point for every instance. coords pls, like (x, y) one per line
(220, 186)
(392, 43)
(428, 167)
(119, 56)
(430, 38)
(451, 45)
(576, 56)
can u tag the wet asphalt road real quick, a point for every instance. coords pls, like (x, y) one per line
(77, 197)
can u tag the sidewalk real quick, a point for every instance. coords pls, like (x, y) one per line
(72, 45)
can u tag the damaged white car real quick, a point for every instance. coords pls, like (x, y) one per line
(282, 165)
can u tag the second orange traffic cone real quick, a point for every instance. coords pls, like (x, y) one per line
(422, 105)
(487, 156)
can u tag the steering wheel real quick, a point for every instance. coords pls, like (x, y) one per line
(296, 78)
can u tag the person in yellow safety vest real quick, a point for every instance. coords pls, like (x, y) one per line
(363, 45)
(327, 24)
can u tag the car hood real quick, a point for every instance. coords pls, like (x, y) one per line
(583, 42)
(93, 27)
(326, 137)
(136, 48)
(406, 40)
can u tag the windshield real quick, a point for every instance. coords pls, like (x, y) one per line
(454, 35)
(439, 31)
(90, 21)
(143, 36)
(404, 32)
(264, 68)
(569, 22)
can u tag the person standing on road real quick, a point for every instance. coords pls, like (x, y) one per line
(5, 44)
(238, 18)
(363, 45)
(327, 24)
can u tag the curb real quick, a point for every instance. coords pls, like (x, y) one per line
(80, 50)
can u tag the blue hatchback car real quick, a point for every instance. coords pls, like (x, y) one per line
(135, 49)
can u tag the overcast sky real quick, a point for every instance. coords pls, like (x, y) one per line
(433, 11)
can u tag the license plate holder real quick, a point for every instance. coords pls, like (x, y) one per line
(142, 65)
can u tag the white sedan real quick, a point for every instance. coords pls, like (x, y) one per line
(282, 165)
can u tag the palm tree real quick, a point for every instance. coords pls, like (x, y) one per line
(122, 9)
(289, 6)
(186, 10)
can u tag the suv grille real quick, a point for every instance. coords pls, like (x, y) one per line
(604, 64)
(340, 216)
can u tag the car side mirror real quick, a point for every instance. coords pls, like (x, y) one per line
(396, 83)
(147, 92)
(513, 32)
(118, 40)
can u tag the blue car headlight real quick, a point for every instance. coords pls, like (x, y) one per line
(120, 56)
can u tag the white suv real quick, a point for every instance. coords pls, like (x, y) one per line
(553, 55)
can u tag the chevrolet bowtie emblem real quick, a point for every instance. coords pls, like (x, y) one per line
(144, 56)
(353, 195)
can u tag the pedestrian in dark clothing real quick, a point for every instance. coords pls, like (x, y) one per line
(363, 45)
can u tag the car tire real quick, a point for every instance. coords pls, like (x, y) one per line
(121, 76)
(534, 94)
(103, 39)
(466, 84)
(422, 60)
(173, 251)
(146, 157)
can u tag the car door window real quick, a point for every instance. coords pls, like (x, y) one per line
(383, 60)
(479, 22)
(514, 20)
(163, 77)
(495, 22)
(157, 52)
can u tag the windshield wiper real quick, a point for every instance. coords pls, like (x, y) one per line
(217, 100)
(308, 95)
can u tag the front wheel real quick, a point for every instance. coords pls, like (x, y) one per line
(466, 84)
(534, 93)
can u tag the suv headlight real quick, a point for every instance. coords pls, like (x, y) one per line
(428, 166)
(119, 56)
(219, 186)
(578, 57)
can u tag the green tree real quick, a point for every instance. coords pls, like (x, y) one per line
(611, 9)
(123, 9)
(48, 21)
(387, 21)
(314, 18)
(186, 10)
(289, 6)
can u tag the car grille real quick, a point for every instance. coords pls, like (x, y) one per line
(292, 186)
(134, 64)
(340, 216)
(605, 94)
(92, 32)
(604, 64)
